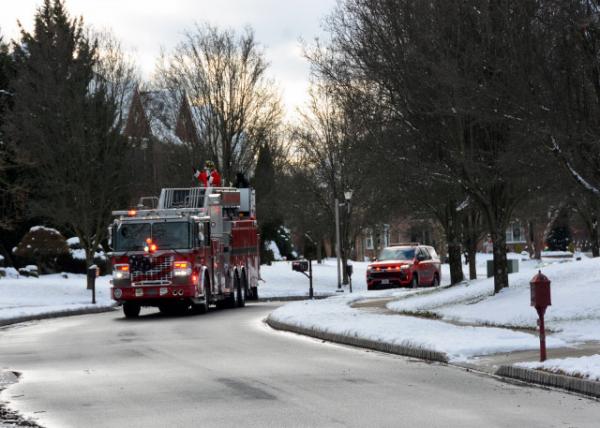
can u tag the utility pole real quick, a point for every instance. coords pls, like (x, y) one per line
(337, 245)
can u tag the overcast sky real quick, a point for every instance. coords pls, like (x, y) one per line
(144, 26)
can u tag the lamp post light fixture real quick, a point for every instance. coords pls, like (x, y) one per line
(347, 197)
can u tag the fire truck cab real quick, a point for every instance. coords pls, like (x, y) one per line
(191, 248)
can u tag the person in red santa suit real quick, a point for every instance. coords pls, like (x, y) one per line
(209, 176)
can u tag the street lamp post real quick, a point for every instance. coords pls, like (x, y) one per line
(347, 196)
(337, 245)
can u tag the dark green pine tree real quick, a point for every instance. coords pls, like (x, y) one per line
(559, 237)
(12, 195)
(64, 124)
(54, 66)
(269, 220)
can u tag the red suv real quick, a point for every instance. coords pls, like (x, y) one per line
(404, 265)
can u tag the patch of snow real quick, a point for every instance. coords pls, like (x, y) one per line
(79, 254)
(11, 272)
(334, 315)
(26, 296)
(587, 367)
(271, 245)
(71, 242)
(46, 229)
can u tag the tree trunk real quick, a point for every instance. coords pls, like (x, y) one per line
(320, 251)
(344, 270)
(455, 261)
(500, 260)
(472, 252)
(89, 260)
(452, 228)
(594, 238)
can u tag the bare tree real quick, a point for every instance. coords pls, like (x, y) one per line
(455, 76)
(330, 141)
(224, 76)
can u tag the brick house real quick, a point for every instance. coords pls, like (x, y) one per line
(166, 139)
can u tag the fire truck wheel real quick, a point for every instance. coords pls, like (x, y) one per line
(253, 293)
(231, 301)
(241, 292)
(202, 308)
(131, 309)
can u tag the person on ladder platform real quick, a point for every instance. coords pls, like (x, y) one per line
(209, 176)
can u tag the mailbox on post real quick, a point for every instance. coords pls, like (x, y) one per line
(300, 265)
(540, 300)
(540, 292)
(304, 266)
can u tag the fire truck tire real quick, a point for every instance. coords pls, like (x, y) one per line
(131, 309)
(231, 301)
(202, 308)
(241, 290)
(253, 294)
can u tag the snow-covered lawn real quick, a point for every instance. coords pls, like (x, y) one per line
(27, 296)
(575, 288)
(574, 316)
(585, 367)
(334, 315)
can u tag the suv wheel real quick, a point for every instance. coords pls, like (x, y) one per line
(415, 281)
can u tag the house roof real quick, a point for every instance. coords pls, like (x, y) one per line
(161, 108)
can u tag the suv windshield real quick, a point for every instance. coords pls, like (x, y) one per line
(396, 254)
(132, 236)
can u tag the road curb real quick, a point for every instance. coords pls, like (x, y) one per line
(540, 377)
(58, 314)
(407, 351)
(290, 298)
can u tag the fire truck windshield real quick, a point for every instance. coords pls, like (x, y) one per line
(166, 235)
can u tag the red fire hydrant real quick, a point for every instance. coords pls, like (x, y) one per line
(540, 299)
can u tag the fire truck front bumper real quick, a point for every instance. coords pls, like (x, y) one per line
(153, 292)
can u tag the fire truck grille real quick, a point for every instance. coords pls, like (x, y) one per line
(151, 269)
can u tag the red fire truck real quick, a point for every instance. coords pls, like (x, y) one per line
(188, 249)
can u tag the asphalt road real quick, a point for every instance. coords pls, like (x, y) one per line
(227, 368)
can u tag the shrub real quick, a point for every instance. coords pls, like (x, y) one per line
(41, 246)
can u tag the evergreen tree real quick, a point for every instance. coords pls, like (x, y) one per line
(269, 220)
(65, 125)
(11, 194)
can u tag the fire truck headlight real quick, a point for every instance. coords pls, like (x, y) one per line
(121, 271)
(118, 293)
(182, 269)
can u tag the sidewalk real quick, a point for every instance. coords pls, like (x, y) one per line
(450, 342)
